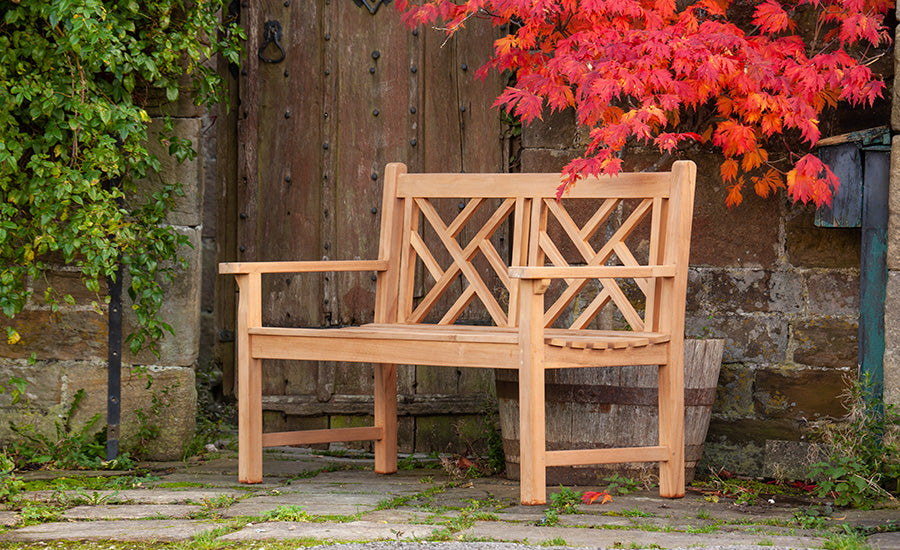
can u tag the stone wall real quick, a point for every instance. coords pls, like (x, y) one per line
(892, 300)
(783, 293)
(70, 346)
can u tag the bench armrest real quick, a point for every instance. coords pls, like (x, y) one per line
(238, 268)
(592, 272)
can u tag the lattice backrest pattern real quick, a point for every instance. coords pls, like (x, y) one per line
(602, 240)
(447, 242)
(618, 220)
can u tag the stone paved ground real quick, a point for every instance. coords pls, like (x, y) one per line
(333, 499)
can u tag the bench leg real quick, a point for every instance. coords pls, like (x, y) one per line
(249, 314)
(671, 425)
(386, 418)
(532, 435)
(250, 421)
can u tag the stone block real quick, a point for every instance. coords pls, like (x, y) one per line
(833, 293)
(744, 236)
(826, 342)
(893, 240)
(892, 339)
(734, 393)
(811, 246)
(180, 309)
(67, 283)
(895, 100)
(755, 290)
(173, 387)
(546, 160)
(187, 209)
(758, 430)
(52, 386)
(555, 131)
(786, 292)
(696, 291)
(63, 335)
(43, 389)
(741, 291)
(800, 394)
(788, 459)
(157, 104)
(753, 339)
(719, 453)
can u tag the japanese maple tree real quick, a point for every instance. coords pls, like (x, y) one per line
(668, 73)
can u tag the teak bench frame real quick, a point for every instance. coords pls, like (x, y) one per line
(520, 340)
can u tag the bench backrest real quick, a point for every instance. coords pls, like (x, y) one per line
(459, 233)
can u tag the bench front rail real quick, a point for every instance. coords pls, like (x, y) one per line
(596, 279)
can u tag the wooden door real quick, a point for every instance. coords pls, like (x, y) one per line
(301, 165)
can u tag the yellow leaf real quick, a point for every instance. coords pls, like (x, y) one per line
(13, 338)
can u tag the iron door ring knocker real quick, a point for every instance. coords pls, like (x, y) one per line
(271, 35)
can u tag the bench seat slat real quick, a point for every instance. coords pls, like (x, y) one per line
(359, 346)
(471, 333)
(453, 345)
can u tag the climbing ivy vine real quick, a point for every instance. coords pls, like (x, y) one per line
(75, 79)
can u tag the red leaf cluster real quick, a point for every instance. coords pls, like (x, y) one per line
(636, 70)
(589, 497)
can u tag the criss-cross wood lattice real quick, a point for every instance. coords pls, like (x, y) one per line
(448, 237)
(610, 291)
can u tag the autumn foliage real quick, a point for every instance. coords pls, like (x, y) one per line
(668, 74)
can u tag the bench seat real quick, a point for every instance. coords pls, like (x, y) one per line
(453, 345)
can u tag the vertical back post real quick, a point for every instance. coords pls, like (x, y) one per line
(386, 298)
(677, 234)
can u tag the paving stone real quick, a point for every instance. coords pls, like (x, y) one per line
(384, 488)
(320, 504)
(145, 496)
(8, 519)
(884, 541)
(192, 480)
(125, 530)
(395, 516)
(351, 531)
(522, 514)
(131, 511)
(609, 538)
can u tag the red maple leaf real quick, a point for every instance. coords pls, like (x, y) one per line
(590, 496)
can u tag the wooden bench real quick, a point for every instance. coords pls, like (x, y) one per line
(623, 264)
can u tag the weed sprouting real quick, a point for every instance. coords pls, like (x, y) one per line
(863, 463)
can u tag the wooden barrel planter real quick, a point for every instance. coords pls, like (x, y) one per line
(612, 407)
